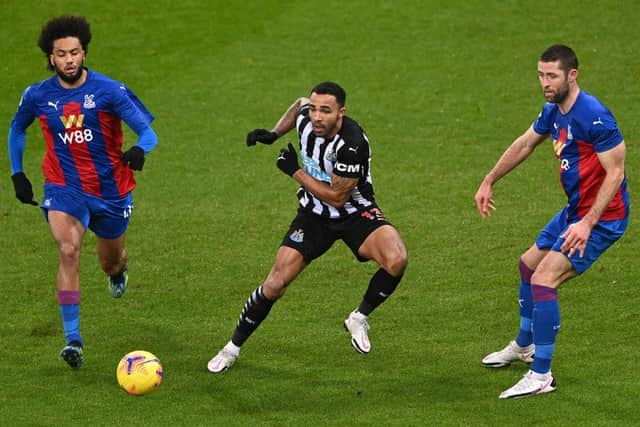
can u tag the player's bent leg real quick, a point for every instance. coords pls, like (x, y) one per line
(113, 261)
(521, 349)
(384, 246)
(288, 264)
(553, 270)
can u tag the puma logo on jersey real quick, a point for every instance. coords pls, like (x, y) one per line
(598, 122)
(53, 105)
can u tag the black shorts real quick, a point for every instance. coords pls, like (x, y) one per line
(312, 235)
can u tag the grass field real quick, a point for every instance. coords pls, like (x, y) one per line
(442, 87)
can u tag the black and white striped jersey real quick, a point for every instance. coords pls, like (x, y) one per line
(347, 155)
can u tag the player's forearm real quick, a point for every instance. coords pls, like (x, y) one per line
(147, 140)
(606, 193)
(16, 143)
(321, 189)
(517, 152)
(288, 119)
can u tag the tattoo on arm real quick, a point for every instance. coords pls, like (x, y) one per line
(343, 186)
(288, 119)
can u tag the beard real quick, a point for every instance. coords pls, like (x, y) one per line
(561, 95)
(70, 79)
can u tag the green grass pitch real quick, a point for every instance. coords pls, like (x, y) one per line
(442, 87)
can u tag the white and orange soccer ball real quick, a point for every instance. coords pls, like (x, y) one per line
(139, 372)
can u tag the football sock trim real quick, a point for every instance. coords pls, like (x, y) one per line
(69, 302)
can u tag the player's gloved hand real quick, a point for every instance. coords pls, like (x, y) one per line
(24, 191)
(288, 160)
(134, 157)
(261, 135)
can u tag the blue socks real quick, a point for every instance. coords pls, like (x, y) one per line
(546, 324)
(69, 302)
(539, 319)
(525, 335)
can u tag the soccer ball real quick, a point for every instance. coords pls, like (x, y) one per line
(139, 372)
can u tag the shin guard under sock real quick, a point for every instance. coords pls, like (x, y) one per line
(546, 324)
(381, 286)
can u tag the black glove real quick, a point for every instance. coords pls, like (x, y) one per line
(261, 135)
(24, 192)
(134, 157)
(288, 160)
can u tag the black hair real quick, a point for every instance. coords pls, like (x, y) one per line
(331, 88)
(564, 54)
(61, 27)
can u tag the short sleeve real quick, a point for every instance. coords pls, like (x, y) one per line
(543, 124)
(302, 118)
(351, 160)
(604, 133)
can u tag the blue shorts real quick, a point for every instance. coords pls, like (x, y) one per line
(603, 235)
(108, 219)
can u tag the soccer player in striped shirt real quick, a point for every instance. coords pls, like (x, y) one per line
(336, 202)
(591, 154)
(88, 179)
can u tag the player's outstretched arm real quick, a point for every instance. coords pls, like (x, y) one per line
(284, 125)
(517, 152)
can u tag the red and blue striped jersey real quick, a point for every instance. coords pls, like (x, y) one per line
(587, 129)
(83, 133)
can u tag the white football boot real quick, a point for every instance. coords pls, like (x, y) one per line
(356, 324)
(511, 353)
(222, 361)
(530, 385)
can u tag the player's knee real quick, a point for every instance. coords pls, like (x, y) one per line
(69, 252)
(396, 262)
(273, 292)
(546, 278)
(274, 287)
